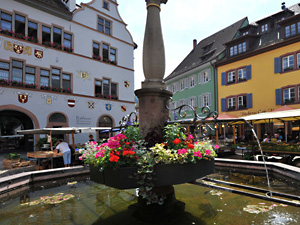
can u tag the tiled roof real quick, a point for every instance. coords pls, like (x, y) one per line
(207, 49)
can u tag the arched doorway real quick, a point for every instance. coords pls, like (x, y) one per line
(10, 122)
(105, 121)
(57, 120)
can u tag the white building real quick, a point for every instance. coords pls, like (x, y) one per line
(62, 65)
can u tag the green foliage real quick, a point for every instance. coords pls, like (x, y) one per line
(133, 133)
(12, 156)
(44, 140)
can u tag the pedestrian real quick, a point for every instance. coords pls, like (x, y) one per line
(63, 147)
(91, 138)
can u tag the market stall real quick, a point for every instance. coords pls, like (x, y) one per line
(50, 155)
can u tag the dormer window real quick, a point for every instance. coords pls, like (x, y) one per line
(264, 28)
(290, 30)
(237, 49)
(245, 33)
(105, 5)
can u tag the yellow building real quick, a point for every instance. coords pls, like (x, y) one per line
(262, 70)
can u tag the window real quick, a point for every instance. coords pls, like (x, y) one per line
(96, 50)
(205, 100)
(192, 81)
(242, 74)
(57, 36)
(174, 88)
(114, 90)
(44, 78)
(98, 88)
(4, 71)
(206, 77)
(17, 71)
(289, 95)
(104, 26)
(67, 40)
(105, 121)
(245, 33)
(29, 75)
(264, 28)
(57, 118)
(231, 104)
(46, 35)
(238, 49)
(66, 82)
(182, 85)
(6, 21)
(32, 29)
(192, 102)
(288, 63)
(20, 24)
(106, 84)
(231, 77)
(298, 60)
(291, 30)
(106, 89)
(112, 55)
(105, 50)
(299, 94)
(55, 78)
(242, 102)
(105, 5)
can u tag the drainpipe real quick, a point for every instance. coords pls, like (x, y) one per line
(215, 86)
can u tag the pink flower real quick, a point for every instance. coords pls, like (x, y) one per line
(100, 154)
(217, 147)
(181, 151)
(113, 143)
(207, 152)
(198, 154)
(190, 137)
(119, 137)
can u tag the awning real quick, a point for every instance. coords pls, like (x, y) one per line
(63, 130)
(275, 116)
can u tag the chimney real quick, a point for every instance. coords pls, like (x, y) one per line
(70, 3)
(283, 5)
(194, 43)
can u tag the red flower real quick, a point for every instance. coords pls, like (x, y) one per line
(114, 158)
(127, 143)
(190, 146)
(128, 152)
(176, 141)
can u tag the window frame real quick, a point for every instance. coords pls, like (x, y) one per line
(236, 98)
(296, 88)
(104, 25)
(6, 20)
(106, 5)
(236, 70)
(101, 94)
(237, 49)
(8, 71)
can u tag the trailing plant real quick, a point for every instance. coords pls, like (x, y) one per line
(11, 156)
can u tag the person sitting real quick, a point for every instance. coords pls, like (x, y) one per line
(63, 147)
(266, 138)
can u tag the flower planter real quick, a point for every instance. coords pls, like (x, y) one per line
(169, 174)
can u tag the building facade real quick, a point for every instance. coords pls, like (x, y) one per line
(261, 72)
(62, 65)
(193, 82)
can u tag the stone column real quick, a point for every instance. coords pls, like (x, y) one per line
(153, 97)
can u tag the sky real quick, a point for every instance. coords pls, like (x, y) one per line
(186, 20)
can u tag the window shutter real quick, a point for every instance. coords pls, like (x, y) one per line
(278, 93)
(209, 99)
(223, 78)
(209, 75)
(186, 83)
(248, 72)
(177, 86)
(277, 65)
(223, 104)
(249, 101)
(201, 78)
(200, 101)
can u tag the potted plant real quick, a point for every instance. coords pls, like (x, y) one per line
(125, 162)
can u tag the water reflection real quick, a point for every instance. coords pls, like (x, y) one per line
(98, 204)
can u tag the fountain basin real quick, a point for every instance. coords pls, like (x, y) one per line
(165, 175)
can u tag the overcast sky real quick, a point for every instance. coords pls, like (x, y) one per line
(185, 20)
